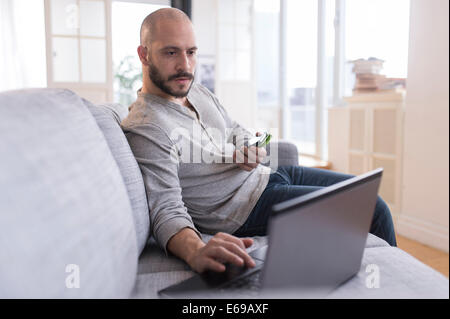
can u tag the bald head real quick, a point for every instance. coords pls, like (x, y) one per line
(150, 27)
(168, 53)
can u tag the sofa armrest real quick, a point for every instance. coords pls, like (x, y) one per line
(287, 153)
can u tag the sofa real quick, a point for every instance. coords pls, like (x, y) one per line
(74, 220)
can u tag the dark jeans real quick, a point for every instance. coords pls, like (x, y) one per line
(293, 181)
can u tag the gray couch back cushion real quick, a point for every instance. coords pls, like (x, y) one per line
(109, 122)
(281, 153)
(66, 226)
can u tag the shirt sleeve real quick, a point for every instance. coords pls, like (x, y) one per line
(158, 160)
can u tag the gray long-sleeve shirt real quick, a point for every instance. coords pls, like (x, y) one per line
(186, 163)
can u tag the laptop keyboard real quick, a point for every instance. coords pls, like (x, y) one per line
(249, 284)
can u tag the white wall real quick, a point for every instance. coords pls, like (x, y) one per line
(425, 204)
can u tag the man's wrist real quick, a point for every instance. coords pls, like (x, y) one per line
(185, 244)
(193, 245)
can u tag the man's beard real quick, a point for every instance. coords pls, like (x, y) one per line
(158, 80)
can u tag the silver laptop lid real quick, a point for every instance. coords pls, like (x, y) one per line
(317, 240)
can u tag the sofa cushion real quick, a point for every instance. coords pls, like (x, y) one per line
(66, 226)
(109, 122)
(374, 241)
(281, 153)
(157, 271)
(286, 152)
(400, 276)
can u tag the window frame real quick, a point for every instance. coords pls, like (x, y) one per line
(102, 90)
(320, 101)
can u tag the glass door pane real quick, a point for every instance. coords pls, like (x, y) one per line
(78, 50)
(92, 18)
(93, 62)
(301, 65)
(65, 60)
(267, 52)
(234, 40)
(64, 17)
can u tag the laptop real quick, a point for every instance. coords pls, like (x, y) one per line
(315, 243)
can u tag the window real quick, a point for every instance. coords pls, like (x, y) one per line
(78, 54)
(301, 72)
(377, 29)
(235, 45)
(127, 18)
(304, 31)
(317, 38)
(18, 68)
(267, 52)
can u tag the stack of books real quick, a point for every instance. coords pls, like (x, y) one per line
(368, 74)
(369, 66)
(369, 77)
(393, 84)
(369, 82)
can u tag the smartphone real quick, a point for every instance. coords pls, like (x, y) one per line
(260, 141)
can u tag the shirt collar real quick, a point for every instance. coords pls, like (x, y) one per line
(164, 102)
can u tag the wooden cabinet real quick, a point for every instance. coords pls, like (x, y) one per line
(366, 134)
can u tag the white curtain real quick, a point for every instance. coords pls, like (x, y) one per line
(11, 70)
(22, 44)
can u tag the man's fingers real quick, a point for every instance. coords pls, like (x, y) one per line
(225, 255)
(245, 167)
(238, 246)
(238, 251)
(211, 264)
(248, 160)
(241, 159)
(223, 248)
(231, 238)
(262, 153)
(247, 242)
(238, 157)
(252, 155)
(257, 154)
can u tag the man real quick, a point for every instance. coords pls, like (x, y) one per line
(225, 191)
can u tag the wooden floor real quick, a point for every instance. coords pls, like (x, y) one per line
(432, 257)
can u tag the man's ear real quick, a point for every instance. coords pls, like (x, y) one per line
(142, 52)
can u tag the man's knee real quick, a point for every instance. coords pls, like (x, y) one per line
(382, 209)
(382, 215)
(382, 223)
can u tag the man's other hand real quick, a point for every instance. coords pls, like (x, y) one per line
(248, 158)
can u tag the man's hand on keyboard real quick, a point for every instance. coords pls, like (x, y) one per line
(221, 249)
